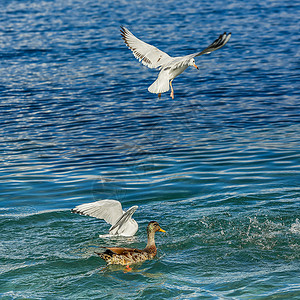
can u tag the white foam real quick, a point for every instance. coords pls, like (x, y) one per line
(295, 227)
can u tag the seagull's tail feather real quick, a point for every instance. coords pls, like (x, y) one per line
(160, 85)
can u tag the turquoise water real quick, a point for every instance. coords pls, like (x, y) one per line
(218, 167)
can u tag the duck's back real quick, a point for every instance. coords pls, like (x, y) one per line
(125, 256)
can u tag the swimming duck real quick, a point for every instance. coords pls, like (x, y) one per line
(128, 256)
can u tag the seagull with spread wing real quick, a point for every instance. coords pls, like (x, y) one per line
(170, 67)
(111, 211)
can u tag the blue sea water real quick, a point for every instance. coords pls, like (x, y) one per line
(218, 167)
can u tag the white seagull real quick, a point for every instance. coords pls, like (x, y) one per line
(111, 211)
(170, 67)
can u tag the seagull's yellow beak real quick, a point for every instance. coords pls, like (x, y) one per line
(161, 230)
(196, 66)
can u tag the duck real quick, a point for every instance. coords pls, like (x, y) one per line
(129, 256)
(122, 223)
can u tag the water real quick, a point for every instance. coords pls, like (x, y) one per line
(217, 167)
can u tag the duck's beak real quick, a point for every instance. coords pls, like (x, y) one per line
(196, 66)
(161, 230)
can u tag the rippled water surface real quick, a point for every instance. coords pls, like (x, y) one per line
(218, 167)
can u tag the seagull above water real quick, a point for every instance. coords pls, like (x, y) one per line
(170, 67)
(111, 211)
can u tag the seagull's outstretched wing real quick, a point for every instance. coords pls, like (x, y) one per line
(109, 210)
(149, 55)
(217, 44)
(125, 225)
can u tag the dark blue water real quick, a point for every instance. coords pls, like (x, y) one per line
(218, 167)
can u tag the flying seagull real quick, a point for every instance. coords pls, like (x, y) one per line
(170, 67)
(111, 211)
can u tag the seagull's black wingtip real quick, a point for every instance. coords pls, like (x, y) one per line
(123, 28)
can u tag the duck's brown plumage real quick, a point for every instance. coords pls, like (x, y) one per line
(128, 256)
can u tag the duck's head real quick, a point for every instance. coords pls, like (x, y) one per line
(192, 63)
(153, 226)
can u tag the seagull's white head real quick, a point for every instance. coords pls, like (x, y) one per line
(192, 63)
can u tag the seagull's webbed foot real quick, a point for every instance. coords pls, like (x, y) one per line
(159, 95)
(172, 91)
